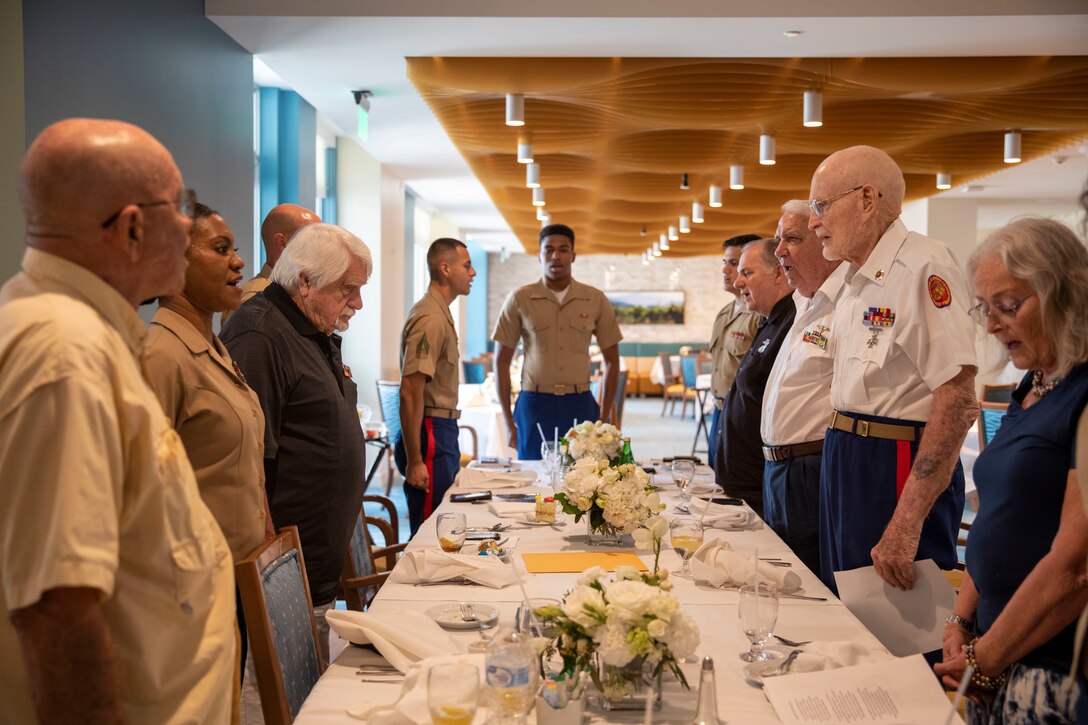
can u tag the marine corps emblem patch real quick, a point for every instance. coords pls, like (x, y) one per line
(939, 292)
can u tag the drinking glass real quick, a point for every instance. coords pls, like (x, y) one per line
(525, 619)
(452, 692)
(549, 454)
(687, 537)
(451, 531)
(682, 473)
(758, 612)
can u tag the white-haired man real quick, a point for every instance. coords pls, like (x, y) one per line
(903, 384)
(285, 342)
(797, 401)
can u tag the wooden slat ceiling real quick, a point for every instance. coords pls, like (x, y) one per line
(613, 135)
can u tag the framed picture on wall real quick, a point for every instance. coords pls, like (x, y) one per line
(648, 308)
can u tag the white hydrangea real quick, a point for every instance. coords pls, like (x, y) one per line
(594, 440)
(612, 648)
(682, 636)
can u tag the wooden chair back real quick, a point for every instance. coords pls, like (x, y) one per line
(998, 393)
(366, 567)
(280, 624)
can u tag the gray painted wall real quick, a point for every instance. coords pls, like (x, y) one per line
(12, 137)
(161, 65)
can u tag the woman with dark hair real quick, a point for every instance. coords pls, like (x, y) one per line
(1014, 618)
(204, 394)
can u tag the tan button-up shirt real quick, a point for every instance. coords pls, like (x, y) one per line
(428, 345)
(734, 329)
(557, 336)
(97, 492)
(219, 420)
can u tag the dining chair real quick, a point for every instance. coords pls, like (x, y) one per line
(998, 393)
(620, 399)
(689, 375)
(280, 624)
(463, 432)
(672, 389)
(475, 371)
(389, 405)
(366, 567)
(989, 420)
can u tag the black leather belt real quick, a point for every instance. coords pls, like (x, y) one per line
(441, 413)
(784, 453)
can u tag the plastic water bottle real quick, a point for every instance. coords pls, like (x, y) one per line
(511, 676)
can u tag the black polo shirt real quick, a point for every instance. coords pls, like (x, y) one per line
(741, 447)
(314, 447)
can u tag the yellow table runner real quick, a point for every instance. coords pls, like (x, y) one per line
(579, 561)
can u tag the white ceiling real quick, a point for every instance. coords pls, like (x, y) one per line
(342, 45)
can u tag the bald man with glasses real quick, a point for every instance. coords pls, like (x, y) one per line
(902, 388)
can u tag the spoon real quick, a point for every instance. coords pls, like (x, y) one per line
(785, 666)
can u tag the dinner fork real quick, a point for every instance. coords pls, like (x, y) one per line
(468, 614)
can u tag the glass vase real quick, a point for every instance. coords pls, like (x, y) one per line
(603, 535)
(627, 687)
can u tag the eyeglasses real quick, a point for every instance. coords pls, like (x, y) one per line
(982, 311)
(186, 204)
(820, 206)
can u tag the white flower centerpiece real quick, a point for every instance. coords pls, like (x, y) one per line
(615, 499)
(626, 629)
(594, 440)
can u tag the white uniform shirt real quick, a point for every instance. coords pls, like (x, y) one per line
(797, 400)
(901, 328)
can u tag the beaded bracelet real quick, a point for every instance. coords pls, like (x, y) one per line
(979, 680)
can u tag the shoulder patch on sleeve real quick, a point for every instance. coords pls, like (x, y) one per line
(423, 349)
(939, 291)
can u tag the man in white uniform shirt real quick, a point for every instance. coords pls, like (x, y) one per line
(797, 401)
(903, 382)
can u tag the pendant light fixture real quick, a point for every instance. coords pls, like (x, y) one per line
(1012, 147)
(715, 196)
(538, 197)
(696, 212)
(736, 177)
(685, 224)
(532, 176)
(766, 149)
(814, 109)
(515, 109)
(525, 151)
(944, 181)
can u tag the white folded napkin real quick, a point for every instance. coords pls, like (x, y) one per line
(832, 655)
(410, 707)
(729, 518)
(716, 563)
(435, 565)
(403, 638)
(510, 509)
(478, 479)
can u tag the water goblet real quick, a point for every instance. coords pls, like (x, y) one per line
(451, 528)
(453, 690)
(758, 612)
(686, 536)
(549, 454)
(682, 473)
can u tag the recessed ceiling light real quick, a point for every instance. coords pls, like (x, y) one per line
(792, 33)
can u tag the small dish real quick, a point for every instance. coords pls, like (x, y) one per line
(448, 615)
(529, 517)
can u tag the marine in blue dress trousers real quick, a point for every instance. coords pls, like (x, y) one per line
(556, 318)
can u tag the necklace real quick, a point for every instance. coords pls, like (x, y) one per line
(1039, 387)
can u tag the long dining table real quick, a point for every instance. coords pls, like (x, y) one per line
(715, 611)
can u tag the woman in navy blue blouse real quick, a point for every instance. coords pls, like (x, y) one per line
(1015, 616)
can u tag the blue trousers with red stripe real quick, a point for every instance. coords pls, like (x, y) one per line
(861, 479)
(549, 412)
(442, 456)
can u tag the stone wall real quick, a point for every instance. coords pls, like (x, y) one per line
(699, 277)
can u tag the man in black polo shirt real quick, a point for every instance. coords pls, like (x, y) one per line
(285, 342)
(763, 287)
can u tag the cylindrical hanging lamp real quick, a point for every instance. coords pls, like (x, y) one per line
(538, 197)
(736, 177)
(525, 151)
(696, 212)
(515, 109)
(766, 149)
(944, 181)
(685, 224)
(715, 196)
(532, 176)
(1012, 147)
(814, 109)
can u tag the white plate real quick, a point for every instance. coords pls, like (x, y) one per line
(529, 517)
(448, 615)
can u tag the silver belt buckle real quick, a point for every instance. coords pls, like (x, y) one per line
(560, 389)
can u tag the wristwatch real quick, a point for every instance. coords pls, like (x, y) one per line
(962, 621)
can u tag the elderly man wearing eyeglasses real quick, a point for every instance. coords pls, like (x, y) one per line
(902, 388)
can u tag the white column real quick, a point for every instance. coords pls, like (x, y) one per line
(13, 140)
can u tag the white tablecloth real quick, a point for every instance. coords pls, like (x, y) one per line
(715, 611)
(487, 419)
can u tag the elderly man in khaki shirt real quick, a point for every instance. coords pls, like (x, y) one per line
(734, 329)
(557, 318)
(116, 579)
(427, 452)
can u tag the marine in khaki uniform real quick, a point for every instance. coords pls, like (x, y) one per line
(427, 453)
(556, 318)
(732, 334)
(276, 230)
